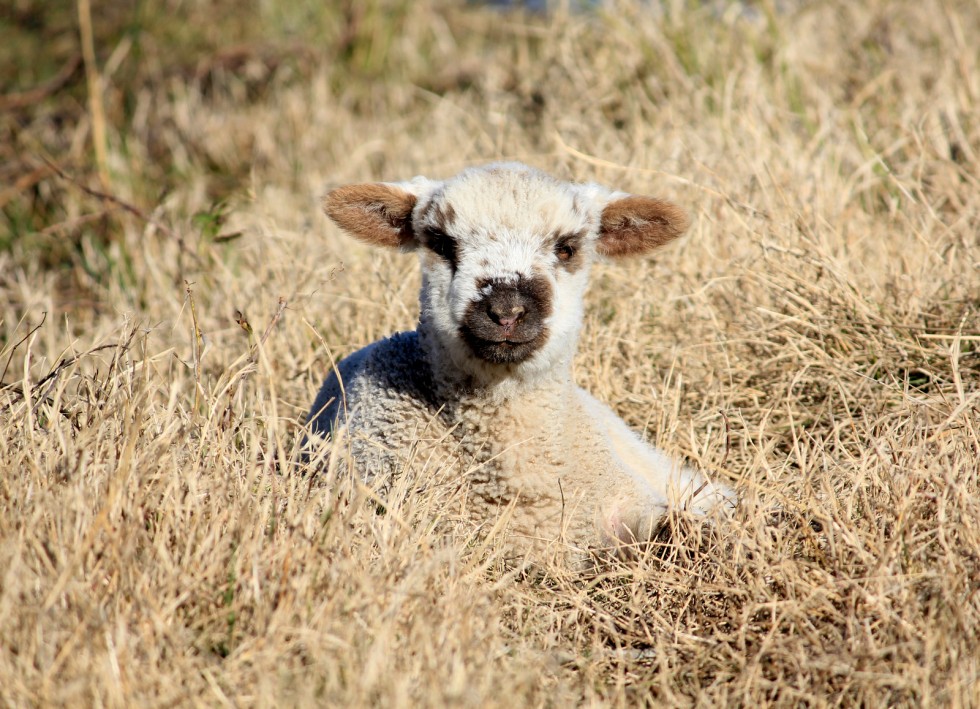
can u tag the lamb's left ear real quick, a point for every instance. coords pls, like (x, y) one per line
(635, 225)
(377, 213)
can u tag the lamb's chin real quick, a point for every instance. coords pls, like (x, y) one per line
(503, 353)
(468, 367)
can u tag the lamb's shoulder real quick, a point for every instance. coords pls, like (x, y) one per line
(380, 388)
(379, 403)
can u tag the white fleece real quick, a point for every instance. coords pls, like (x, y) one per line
(519, 436)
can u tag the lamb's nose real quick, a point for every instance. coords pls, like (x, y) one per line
(506, 315)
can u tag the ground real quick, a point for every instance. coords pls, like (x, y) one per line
(172, 297)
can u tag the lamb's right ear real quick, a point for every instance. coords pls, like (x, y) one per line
(378, 213)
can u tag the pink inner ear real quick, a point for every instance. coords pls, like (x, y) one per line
(376, 213)
(635, 225)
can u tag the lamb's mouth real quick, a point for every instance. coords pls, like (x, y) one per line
(504, 350)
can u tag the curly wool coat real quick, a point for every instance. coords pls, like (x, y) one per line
(483, 387)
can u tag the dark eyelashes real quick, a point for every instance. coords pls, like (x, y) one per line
(565, 248)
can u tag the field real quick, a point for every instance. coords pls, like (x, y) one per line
(172, 296)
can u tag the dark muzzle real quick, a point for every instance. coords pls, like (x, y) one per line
(506, 326)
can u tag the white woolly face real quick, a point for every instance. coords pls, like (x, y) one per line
(505, 252)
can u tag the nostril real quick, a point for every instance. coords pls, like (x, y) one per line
(506, 316)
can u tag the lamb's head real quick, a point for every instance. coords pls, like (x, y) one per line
(505, 253)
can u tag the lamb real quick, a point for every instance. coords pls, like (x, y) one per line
(483, 386)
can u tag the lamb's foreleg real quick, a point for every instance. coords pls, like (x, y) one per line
(681, 486)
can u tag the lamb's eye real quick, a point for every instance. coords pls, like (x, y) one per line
(564, 249)
(441, 245)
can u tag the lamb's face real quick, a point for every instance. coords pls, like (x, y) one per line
(505, 253)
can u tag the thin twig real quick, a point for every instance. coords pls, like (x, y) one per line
(22, 99)
(197, 346)
(275, 320)
(112, 199)
(938, 336)
(599, 162)
(728, 439)
(44, 316)
(23, 183)
(73, 223)
(68, 362)
(253, 350)
(51, 377)
(63, 364)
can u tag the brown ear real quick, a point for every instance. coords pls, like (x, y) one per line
(377, 213)
(634, 225)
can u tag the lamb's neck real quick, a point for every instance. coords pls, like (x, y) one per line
(506, 391)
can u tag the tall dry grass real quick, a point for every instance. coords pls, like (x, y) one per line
(815, 339)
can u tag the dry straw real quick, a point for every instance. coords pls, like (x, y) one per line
(815, 339)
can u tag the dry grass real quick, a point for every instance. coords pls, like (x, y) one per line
(815, 338)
